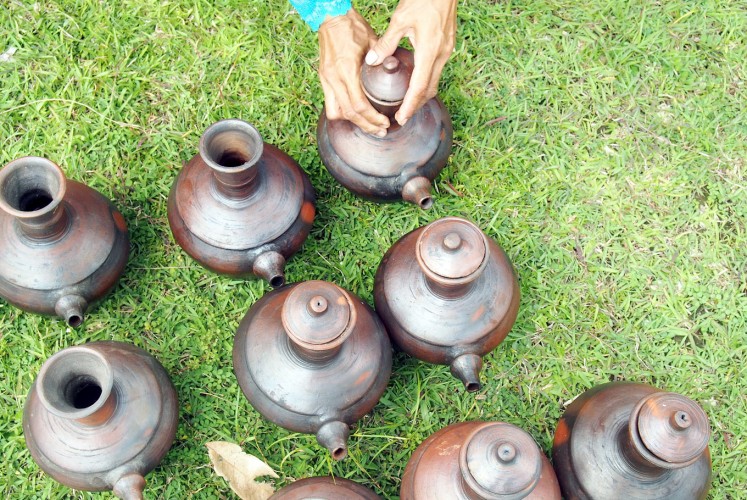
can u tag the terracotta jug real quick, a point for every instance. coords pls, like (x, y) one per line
(327, 488)
(313, 358)
(241, 207)
(401, 165)
(63, 246)
(479, 460)
(627, 440)
(100, 416)
(447, 294)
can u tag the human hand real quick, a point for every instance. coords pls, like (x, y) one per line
(431, 27)
(343, 40)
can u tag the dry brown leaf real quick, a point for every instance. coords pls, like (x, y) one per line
(240, 470)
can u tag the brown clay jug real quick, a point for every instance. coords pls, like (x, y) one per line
(628, 440)
(327, 488)
(241, 207)
(476, 461)
(100, 416)
(447, 294)
(400, 165)
(313, 358)
(63, 246)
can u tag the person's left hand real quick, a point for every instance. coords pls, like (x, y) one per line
(431, 27)
(343, 40)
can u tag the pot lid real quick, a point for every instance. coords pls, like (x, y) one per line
(388, 82)
(452, 249)
(318, 315)
(673, 427)
(501, 460)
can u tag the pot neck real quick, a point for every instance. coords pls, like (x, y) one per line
(32, 191)
(233, 151)
(77, 384)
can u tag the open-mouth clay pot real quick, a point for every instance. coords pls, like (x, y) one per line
(63, 246)
(100, 416)
(327, 488)
(241, 207)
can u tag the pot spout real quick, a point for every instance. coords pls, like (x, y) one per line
(270, 266)
(72, 309)
(130, 487)
(467, 369)
(334, 437)
(418, 191)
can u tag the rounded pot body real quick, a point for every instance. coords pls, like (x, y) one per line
(401, 165)
(624, 440)
(448, 313)
(241, 207)
(326, 487)
(101, 416)
(314, 372)
(479, 460)
(63, 246)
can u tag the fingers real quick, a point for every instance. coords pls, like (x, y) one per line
(342, 43)
(386, 45)
(423, 84)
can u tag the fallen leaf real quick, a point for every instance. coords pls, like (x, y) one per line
(7, 56)
(240, 470)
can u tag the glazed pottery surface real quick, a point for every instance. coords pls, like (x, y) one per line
(327, 488)
(632, 441)
(241, 207)
(400, 165)
(63, 246)
(447, 294)
(479, 460)
(100, 416)
(313, 358)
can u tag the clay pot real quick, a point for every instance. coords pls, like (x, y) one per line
(479, 460)
(328, 488)
(627, 440)
(401, 165)
(241, 207)
(63, 246)
(101, 416)
(313, 358)
(447, 294)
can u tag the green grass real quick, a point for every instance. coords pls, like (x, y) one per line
(601, 143)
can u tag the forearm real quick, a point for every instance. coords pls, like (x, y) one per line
(314, 12)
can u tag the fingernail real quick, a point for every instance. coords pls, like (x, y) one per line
(402, 122)
(381, 134)
(371, 57)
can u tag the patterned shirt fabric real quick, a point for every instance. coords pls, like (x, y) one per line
(314, 12)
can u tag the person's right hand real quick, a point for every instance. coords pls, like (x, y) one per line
(343, 41)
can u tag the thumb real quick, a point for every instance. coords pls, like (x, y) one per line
(384, 47)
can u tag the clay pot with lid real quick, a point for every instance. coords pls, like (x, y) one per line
(313, 358)
(241, 207)
(326, 487)
(479, 460)
(629, 440)
(63, 246)
(100, 416)
(404, 163)
(448, 295)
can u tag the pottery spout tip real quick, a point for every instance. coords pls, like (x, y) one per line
(467, 369)
(334, 437)
(418, 191)
(270, 266)
(129, 487)
(72, 309)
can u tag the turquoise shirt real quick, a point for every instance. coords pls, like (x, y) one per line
(314, 12)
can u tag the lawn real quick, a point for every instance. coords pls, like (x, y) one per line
(602, 144)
